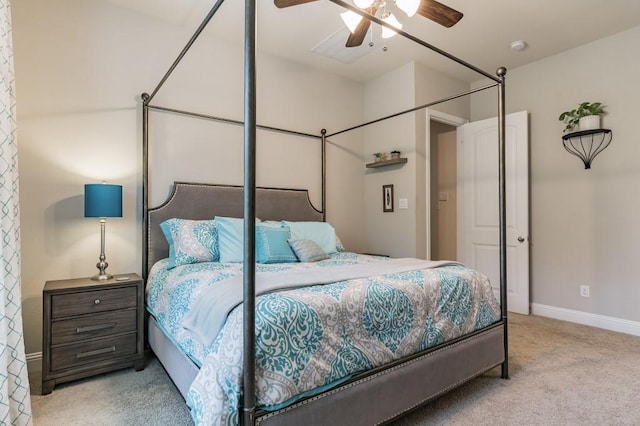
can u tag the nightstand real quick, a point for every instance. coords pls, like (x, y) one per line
(91, 327)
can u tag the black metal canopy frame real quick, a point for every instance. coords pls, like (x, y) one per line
(250, 127)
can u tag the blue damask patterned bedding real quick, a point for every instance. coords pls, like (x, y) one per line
(313, 338)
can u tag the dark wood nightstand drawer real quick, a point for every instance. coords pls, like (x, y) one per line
(91, 351)
(98, 325)
(66, 305)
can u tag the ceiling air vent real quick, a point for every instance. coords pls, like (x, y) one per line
(334, 46)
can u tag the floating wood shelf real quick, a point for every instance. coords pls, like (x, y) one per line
(387, 162)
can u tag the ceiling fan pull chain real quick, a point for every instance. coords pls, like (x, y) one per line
(371, 43)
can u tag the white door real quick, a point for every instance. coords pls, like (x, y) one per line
(478, 241)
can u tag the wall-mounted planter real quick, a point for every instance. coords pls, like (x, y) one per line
(586, 144)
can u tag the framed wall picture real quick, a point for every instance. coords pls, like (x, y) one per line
(387, 198)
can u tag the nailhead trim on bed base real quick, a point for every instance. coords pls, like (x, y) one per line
(471, 356)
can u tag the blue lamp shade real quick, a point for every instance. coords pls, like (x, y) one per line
(102, 200)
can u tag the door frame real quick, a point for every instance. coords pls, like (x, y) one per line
(454, 121)
(457, 122)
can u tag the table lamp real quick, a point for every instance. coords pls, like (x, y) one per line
(102, 200)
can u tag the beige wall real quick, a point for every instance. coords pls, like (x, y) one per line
(403, 232)
(584, 223)
(80, 68)
(390, 233)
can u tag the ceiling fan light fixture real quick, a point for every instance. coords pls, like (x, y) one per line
(410, 7)
(363, 4)
(351, 20)
(391, 20)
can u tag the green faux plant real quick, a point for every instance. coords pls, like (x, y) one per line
(571, 118)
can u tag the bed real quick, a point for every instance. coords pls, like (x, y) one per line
(417, 362)
(395, 380)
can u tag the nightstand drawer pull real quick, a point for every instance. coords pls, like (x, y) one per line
(96, 352)
(91, 328)
(97, 301)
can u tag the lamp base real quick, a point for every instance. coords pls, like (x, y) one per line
(102, 263)
(101, 277)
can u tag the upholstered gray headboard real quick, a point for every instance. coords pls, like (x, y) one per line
(200, 201)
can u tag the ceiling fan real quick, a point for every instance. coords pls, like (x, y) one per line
(430, 9)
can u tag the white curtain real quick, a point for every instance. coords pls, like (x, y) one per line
(15, 400)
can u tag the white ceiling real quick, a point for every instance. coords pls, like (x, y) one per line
(481, 38)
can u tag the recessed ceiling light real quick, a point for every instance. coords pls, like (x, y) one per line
(518, 45)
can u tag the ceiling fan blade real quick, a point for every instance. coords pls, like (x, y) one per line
(287, 3)
(440, 13)
(357, 37)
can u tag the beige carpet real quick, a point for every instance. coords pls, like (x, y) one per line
(561, 374)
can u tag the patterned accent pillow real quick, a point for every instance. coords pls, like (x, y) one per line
(308, 251)
(339, 246)
(272, 245)
(191, 241)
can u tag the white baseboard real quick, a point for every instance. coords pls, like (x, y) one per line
(34, 361)
(586, 318)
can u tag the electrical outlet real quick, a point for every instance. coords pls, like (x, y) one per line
(584, 291)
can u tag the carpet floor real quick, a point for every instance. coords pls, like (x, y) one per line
(560, 374)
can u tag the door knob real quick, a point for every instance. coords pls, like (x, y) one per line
(521, 239)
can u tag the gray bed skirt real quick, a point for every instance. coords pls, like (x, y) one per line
(178, 365)
(373, 398)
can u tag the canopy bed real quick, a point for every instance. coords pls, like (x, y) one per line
(233, 365)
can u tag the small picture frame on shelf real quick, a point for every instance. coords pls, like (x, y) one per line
(387, 198)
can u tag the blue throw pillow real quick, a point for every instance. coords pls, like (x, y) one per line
(321, 233)
(272, 245)
(230, 241)
(190, 241)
